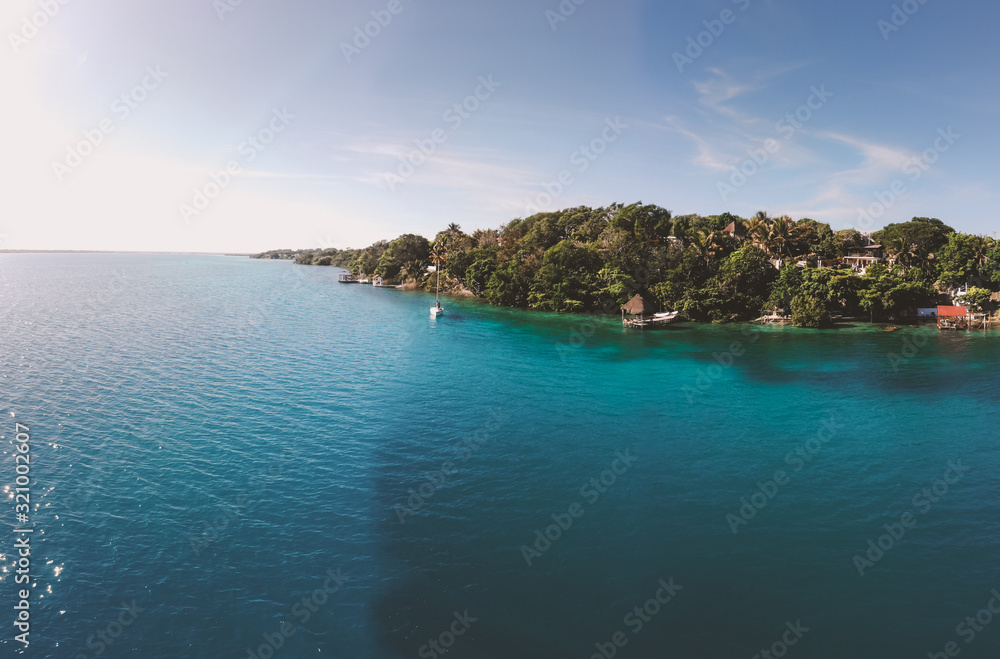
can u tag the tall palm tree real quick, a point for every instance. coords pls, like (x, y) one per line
(780, 235)
(757, 227)
(902, 251)
(439, 252)
(981, 248)
(707, 244)
(767, 240)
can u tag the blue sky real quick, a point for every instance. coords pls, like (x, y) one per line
(901, 122)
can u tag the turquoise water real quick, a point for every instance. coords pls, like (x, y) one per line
(211, 435)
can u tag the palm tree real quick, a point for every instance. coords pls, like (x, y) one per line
(780, 235)
(439, 251)
(981, 248)
(707, 244)
(757, 227)
(903, 252)
(767, 240)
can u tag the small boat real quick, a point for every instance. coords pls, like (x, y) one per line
(437, 309)
(657, 320)
(639, 309)
(348, 278)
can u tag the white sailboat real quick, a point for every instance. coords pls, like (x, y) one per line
(437, 309)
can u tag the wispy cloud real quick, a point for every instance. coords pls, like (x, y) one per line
(728, 129)
(455, 170)
(842, 191)
(878, 159)
(708, 156)
(716, 92)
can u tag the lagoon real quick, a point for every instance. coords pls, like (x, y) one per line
(214, 437)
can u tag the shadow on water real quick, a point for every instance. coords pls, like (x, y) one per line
(454, 555)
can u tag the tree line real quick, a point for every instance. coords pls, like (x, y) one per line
(594, 259)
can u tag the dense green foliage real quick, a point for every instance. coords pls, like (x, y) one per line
(408, 252)
(286, 254)
(594, 259)
(356, 260)
(979, 299)
(809, 311)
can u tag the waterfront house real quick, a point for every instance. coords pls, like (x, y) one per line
(952, 317)
(861, 258)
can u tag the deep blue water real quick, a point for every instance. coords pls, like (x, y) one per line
(210, 435)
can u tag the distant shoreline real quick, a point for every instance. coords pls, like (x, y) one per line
(112, 251)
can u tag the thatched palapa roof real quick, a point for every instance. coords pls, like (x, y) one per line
(639, 307)
(735, 230)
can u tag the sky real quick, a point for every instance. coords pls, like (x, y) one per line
(247, 125)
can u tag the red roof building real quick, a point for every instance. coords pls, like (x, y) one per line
(953, 312)
(953, 317)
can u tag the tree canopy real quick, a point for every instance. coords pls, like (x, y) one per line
(584, 259)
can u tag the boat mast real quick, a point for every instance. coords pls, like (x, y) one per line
(437, 288)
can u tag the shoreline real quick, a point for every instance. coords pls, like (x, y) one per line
(112, 251)
(853, 322)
